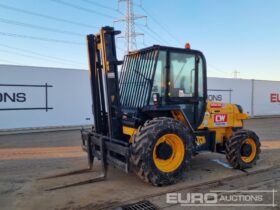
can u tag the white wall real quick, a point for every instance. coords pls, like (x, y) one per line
(266, 97)
(69, 97)
(257, 97)
(236, 91)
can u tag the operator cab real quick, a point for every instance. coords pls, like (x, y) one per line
(165, 78)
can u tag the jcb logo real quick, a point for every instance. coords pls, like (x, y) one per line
(220, 118)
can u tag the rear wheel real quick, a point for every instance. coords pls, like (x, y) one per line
(161, 151)
(243, 149)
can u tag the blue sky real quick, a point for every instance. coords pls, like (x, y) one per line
(242, 35)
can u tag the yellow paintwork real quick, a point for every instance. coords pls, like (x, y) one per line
(222, 118)
(102, 46)
(128, 130)
(178, 153)
(242, 116)
(252, 156)
(200, 140)
(178, 115)
(228, 116)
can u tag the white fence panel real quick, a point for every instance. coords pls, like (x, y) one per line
(33, 97)
(236, 91)
(266, 98)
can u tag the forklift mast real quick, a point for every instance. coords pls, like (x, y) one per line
(103, 65)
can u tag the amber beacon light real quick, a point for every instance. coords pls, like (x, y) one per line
(188, 45)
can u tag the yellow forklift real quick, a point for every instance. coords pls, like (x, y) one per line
(151, 116)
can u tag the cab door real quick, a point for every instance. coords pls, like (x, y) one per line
(186, 85)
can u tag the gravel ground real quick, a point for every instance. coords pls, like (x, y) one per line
(266, 128)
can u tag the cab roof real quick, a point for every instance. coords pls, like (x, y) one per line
(165, 48)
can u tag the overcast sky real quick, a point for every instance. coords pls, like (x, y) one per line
(241, 35)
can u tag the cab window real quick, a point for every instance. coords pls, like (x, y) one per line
(182, 75)
(159, 85)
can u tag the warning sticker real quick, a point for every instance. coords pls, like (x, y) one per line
(217, 105)
(220, 120)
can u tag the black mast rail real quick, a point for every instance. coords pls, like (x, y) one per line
(103, 65)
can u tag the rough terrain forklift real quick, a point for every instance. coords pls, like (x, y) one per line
(152, 115)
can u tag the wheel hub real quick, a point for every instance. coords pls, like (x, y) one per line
(168, 152)
(246, 150)
(164, 151)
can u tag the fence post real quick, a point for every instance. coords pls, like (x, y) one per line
(252, 97)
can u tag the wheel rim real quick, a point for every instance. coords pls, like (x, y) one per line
(248, 144)
(176, 156)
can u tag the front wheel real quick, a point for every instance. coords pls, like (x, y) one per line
(161, 151)
(243, 149)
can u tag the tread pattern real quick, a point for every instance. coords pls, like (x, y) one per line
(141, 158)
(233, 148)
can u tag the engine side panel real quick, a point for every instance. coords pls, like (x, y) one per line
(223, 118)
